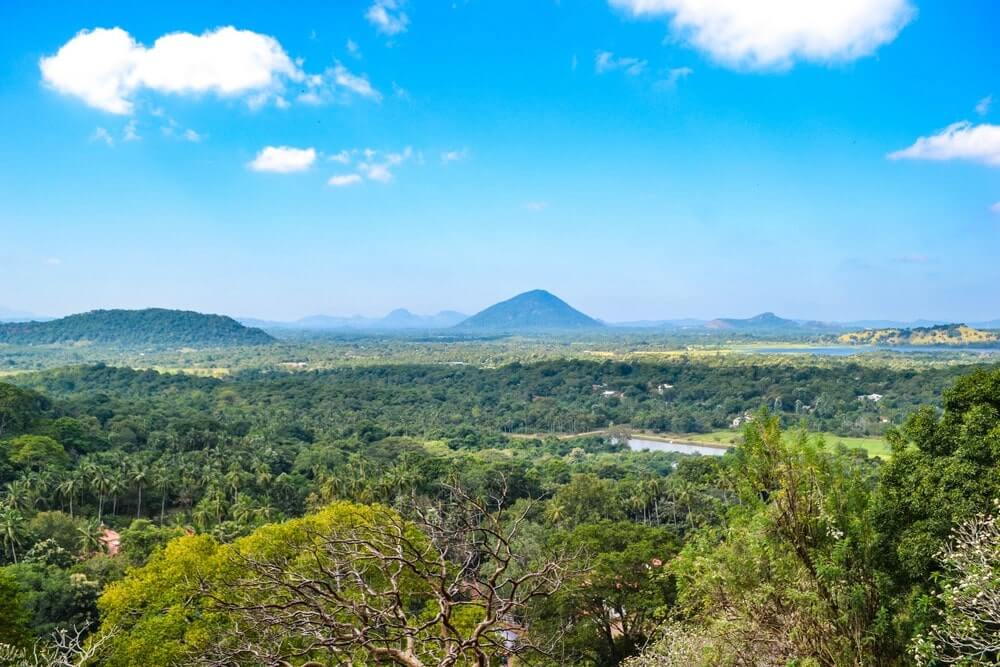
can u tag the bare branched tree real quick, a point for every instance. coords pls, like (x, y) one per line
(65, 648)
(445, 587)
(969, 632)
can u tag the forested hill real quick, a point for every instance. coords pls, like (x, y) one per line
(945, 334)
(152, 326)
(536, 310)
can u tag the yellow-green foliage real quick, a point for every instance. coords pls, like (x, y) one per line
(159, 614)
(952, 334)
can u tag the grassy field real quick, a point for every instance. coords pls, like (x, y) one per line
(874, 446)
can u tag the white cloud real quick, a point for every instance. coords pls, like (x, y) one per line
(101, 134)
(192, 136)
(354, 83)
(353, 48)
(996, 208)
(107, 67)
(343, 157)
(131, 131)
(381, 170)
(606, 61)
(774, 34)
(53, 261)
(983, 106)
(343, 180)
(958, 141)
(388, 17)
(283, 159)
(669, 82)
(454, 156)
(536, 205)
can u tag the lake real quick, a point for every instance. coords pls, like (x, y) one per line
(641, 444)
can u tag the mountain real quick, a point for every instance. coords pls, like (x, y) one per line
(762, 322)
(396, 320)
(943, 334)
(152, 326)
(536, 310)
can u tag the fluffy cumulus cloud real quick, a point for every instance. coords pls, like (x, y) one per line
(107, 68)
(774, 34)
(283, 159)
(958, 141)
(388, 17)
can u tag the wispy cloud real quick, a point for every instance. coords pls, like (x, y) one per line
(983, 106)
(379, 167)
(283, 159)
(454, 155)
(52, 261)
(101, 134)
(958, 141)
(536, 205)
(388, 17)
(775, 34)
(672, 76)
(996, 208)
(131, 131)
(606, 61)
(353, 48)
(344, 180)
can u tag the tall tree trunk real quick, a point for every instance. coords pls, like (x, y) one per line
(138, 509)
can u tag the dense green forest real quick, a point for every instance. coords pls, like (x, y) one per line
(157, 327)
(388, 514)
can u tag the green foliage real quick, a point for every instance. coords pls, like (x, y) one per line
(14, 618)
(151, 327)
(37, 452)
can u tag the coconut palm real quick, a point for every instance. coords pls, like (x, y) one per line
(11, 529)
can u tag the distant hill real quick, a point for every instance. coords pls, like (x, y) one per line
(152, 326)
(762, 322)
(536, 310)
(943, 334)
(396, 320)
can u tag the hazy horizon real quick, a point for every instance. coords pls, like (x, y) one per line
(639, 164)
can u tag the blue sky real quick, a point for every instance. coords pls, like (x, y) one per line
(640, 158)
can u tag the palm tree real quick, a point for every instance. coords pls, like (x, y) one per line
(11, 529)
(138, 474)
(116, 484)
(68, 488)
(90, 533)
(162, 480)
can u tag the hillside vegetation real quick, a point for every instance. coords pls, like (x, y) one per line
(945, 334)
(152, 326)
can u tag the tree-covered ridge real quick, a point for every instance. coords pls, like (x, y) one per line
(158, 327)
(943, 334)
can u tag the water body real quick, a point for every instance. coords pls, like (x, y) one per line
(848, 350)
(641, 444)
